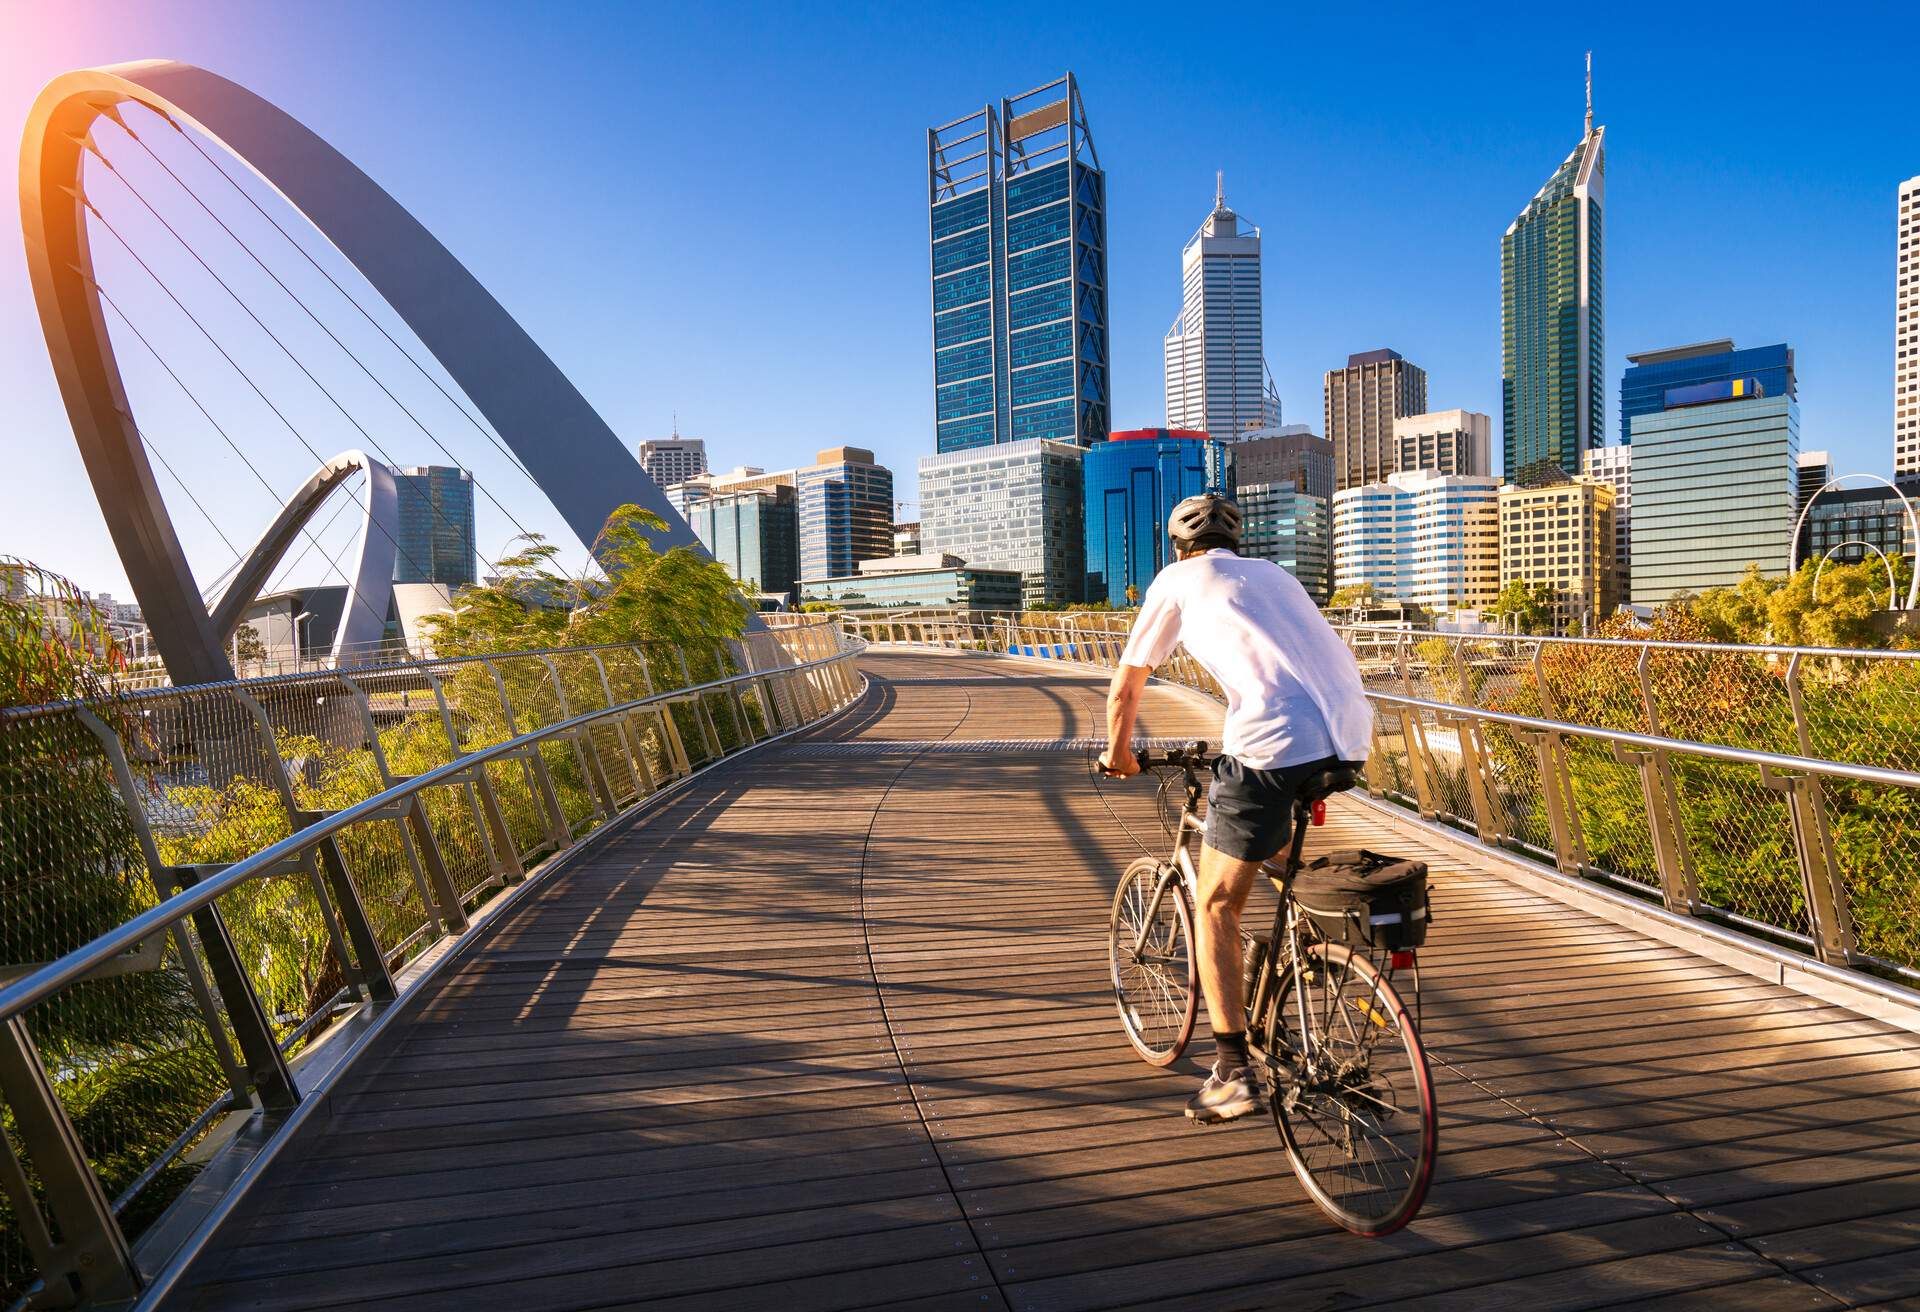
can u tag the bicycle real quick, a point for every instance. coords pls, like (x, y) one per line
(1335, 1045)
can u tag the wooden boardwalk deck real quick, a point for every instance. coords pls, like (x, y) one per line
(831, 1030)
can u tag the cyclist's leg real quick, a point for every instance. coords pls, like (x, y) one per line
(1224, 883)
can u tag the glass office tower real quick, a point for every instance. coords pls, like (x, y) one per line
(1132, 485)
(845, 505)
(1553, 347)
(1643, 387)
(1715, 483)
(1015, 507)
(434, 540)
(1018, 238)
(1290, 528)
(755, 534)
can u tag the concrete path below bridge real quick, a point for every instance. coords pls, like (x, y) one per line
(831, 1029)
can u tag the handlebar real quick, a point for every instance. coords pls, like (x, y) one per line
(1190, 758)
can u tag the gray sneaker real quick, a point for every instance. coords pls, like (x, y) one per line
(1226, 1096)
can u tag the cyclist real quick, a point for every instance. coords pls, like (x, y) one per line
(1295, 708)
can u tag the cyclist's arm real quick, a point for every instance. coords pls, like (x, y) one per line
(1123, 708)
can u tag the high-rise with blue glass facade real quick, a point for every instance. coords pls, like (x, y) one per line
(1132, 484)
(433, 538)
(1018, 234)
(1651, 374)
(845, 504)
(1553, 392)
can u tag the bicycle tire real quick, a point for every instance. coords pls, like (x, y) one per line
(1363, 1190)
(1157, 999)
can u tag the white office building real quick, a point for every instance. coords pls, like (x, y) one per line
(1906, 336)
(1216, 369)
(1612, 466)
(674, 459)
(1429, 540)
(1444, 442)
(1015, 506)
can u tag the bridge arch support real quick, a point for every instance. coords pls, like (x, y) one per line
(574, 457)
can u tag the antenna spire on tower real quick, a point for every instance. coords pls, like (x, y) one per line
(1219, 189)
(1589, 91)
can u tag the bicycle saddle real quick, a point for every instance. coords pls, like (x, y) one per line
(1328, 782)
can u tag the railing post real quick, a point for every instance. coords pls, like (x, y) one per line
(1473, 751)
(1419, 764)
(641, 785)
(1556, 785)
(1827, 910)
(374, 975)
(669, 730)
(423, 849)
(701, 715)
(1662, 807)
(326, 887)
(91, 1262)
(534, 766)
(266, 1065)
(583, 754)
(1816, 809)
(502, 854)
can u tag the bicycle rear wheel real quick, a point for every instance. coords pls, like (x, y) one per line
(1156, 988)
(1358, 1119)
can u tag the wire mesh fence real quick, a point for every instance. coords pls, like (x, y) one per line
(108, 808)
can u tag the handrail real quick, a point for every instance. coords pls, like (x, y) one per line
(1871, 774)
(41, 984)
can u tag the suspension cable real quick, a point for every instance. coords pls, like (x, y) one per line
(248, 310)
(233, 182)
(308, 311)
(106, 298)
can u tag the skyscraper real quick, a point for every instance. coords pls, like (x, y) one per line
(675, 459)
(1553, 357)
(1612, 466)
(1362, 401)
(1715, 481)
(1215, 365)
(1906, 339)
(845, 504)
(1428, 539)
(1132, 485)
(1288, 527)
(1650, 375)
(755, 534)
(1562, 537)
(434, 540)
(1018, 237)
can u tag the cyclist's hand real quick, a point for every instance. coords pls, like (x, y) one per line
(1125, 768)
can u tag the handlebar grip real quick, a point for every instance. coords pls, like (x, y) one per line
(1144, 757)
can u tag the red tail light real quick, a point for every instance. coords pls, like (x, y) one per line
(1402, 960)
(1320, 812)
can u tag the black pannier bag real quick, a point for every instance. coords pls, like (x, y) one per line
(1365, 899)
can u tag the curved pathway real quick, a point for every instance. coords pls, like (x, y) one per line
(830, 1030)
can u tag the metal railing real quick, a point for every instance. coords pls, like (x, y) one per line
(213, 878)
(1771, 790)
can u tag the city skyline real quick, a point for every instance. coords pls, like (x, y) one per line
(1668, 252)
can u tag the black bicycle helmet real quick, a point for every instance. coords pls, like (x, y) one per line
(1206, 515)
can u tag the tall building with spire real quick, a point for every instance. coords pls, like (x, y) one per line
(1553, 349)
(1215, 360)
(1018, 235)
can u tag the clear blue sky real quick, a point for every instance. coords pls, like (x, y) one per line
(718, 210)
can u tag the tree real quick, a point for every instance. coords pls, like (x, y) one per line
(678, 597)
(1133, 594)
(1352, 597)
(247, 649)
(1529, 606)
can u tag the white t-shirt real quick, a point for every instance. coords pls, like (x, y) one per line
(1293, 689)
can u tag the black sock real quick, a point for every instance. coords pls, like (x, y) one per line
(1230, 1048)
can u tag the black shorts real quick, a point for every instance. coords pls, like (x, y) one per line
(1250, 812)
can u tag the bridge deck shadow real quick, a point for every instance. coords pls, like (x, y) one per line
(832, 1030)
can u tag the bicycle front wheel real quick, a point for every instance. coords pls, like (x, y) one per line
(1150, 957)
(1358, 1115)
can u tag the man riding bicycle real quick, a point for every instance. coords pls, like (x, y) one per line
(1295, 708)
